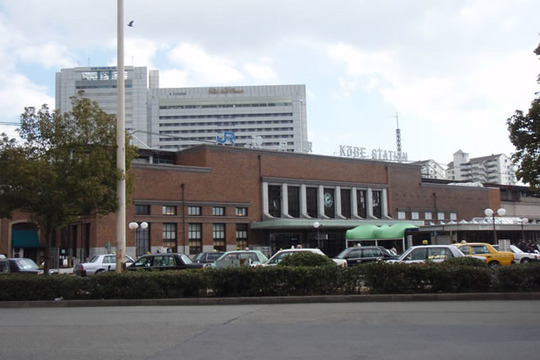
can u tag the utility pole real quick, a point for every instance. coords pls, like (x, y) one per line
(121, 145)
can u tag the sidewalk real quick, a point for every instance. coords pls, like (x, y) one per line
(275, 300)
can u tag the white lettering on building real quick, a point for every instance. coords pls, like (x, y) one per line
(375, 154)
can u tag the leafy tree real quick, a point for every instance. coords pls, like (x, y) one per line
(525, 135)
(63, 168)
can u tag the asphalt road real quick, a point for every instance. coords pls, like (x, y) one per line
(379, 330)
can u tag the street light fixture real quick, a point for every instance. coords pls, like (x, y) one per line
(491, 213)
(317, 225)
(134, 225)
(522, 222)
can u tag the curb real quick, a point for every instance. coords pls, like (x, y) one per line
(273, 300)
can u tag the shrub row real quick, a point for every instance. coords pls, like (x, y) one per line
(376, 278)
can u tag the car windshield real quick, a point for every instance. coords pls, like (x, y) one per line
(27, 264)
(214, 256)
(516, 249)
(342, 254)
(404, 255)
(277, 258)
(187, 259)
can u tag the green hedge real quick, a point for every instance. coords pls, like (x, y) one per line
(375, 278)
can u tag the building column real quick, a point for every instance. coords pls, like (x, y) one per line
(337, 202)
(285, 201)
(354, 203)
(369, 203)
(265, 202)
(384, 204)
(320, 203)
(303, 202)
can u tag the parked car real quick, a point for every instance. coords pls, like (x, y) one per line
(521, 256)
(277, 257)
(240, 258)
(492, 256)
(423, 253)
(99, 264)
(19, 266)
(164, 261)
(364, 254)
(207, 257)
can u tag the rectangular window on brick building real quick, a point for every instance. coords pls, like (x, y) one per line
(361, 203)
(274, 200)
(312, 202)
(142, 240)
(241, 211)
(194, 211)
(195, 238)
(169, 235)
(142, 209)
(218, 211)
(242, 236)
(377, 205)
(346, 203)
(169, 210)
(294, 201)
(218, 235)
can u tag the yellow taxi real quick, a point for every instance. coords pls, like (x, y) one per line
(493, 257)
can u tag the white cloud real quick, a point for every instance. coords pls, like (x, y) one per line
(48, 55)
(203, 67)
(261, 72)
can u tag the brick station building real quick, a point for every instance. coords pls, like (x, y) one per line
(223, 197)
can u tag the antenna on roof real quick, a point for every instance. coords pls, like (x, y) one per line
(398, 139)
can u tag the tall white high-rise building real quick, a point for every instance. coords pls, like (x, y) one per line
(269, 117)
(99, 84)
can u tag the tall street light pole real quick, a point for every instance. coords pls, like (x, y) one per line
(491, 213)
(121, 144)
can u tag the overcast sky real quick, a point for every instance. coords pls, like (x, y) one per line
(452, 71)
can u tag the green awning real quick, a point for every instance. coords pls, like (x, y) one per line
(24, 239)
(370, 232)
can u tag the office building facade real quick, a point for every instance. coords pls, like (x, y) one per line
(263, 117)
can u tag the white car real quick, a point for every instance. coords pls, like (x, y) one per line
(434, 253)
(99, 263)
(239, 258)
(277, 257)
(521, 256)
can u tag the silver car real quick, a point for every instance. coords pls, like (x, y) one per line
(434, 253)
(99, 263)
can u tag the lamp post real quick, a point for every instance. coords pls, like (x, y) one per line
(522, 222)
(317, 225)
(120, 145)
(490, 213)
(135, 225)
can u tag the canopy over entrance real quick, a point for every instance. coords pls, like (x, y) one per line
(374, 232)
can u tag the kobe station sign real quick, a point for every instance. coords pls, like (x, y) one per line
(374, 154)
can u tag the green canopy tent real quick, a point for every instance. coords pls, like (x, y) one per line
(374, 233)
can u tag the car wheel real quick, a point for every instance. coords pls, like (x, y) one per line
(493, 264)
(525, 260)
(99, 271)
